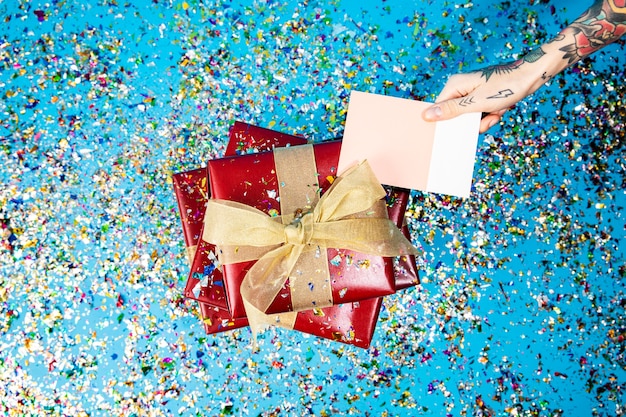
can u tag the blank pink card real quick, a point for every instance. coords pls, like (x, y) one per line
(406, 151)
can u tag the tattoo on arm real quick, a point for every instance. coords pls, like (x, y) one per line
(532, 56)
(603, 23)
(500, 69)
(557, 38)
(466, 101)
(503, 94)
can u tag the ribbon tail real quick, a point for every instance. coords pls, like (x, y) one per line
(259, 321)
(265, 279)
(262, 284)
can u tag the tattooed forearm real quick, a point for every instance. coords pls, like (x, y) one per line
(602, 24)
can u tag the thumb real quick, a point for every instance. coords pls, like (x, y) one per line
(446, 109)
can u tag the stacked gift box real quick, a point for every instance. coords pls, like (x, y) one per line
(282, 182)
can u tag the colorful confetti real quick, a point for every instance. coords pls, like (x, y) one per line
(521, 310)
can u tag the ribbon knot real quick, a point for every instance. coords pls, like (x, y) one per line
(300, 230)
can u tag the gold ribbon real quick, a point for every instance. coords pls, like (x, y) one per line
(294, 247)
(191, 252)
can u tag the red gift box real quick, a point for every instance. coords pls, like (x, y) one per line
(337, 323)
(252, 180)
(192, 192)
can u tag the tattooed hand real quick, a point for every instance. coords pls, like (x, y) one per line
(492, 91)
(495, 89)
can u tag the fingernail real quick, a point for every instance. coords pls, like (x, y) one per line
(492, 123)
(433, 113)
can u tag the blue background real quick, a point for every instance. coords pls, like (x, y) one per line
(521, 308)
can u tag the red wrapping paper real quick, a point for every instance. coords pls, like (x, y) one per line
(245, 138)
(350, 323)
(205, 282)
(217, 320)
(192, 192)
(405, 267)
(251, 180)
